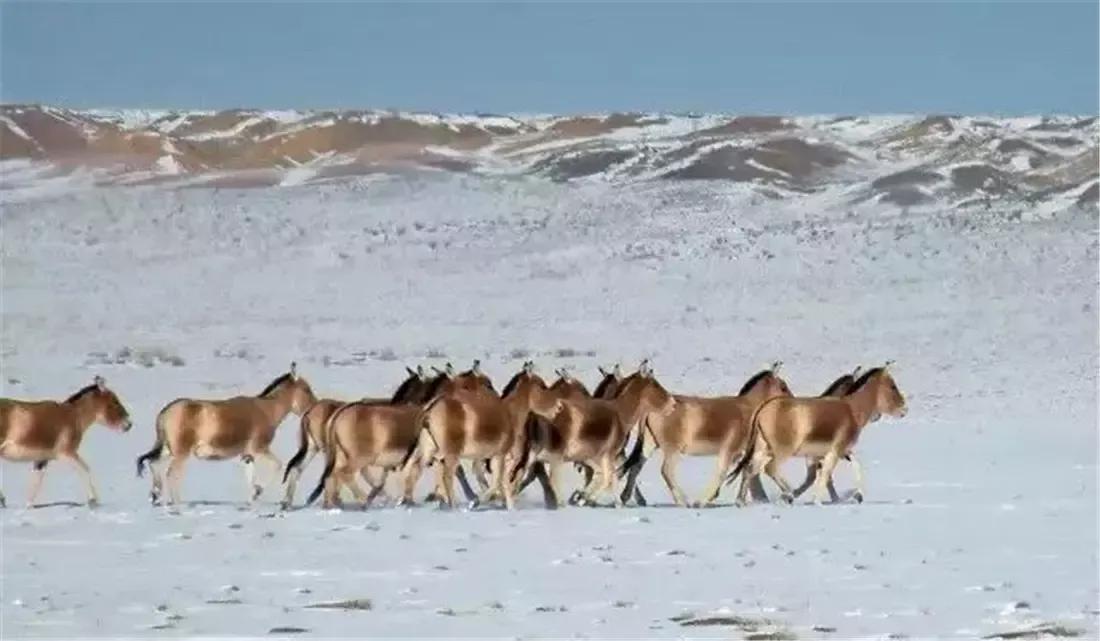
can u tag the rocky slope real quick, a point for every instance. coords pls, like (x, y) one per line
(905, 161)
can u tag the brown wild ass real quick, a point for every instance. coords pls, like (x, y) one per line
(821, 427)
(705, 426)
(41, 431)
(311, 438)
(840, 387)
(476, 424)
(241, 426)
(366, 433)
(594, 431)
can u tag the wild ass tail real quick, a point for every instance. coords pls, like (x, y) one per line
(422, 420)
(750, 448)
(637, 454)
(303, 445)
(530, 434)
(155, 452)
(330, 464)
(330, 444)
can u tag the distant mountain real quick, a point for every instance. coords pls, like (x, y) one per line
(907, 161)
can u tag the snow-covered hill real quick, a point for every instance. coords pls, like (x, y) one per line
(981, 518)
(936, 162)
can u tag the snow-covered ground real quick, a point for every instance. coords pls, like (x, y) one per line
(982, 505)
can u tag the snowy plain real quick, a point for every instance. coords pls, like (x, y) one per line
(981, 516)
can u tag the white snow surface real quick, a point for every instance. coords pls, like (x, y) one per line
(981, 514)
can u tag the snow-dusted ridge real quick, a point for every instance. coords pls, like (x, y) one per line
(1045, 161)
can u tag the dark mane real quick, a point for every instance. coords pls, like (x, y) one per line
(511, 386)
(844, 382)
(432, 387)
(607, 382)
(574, 383)
(480, 378)
(863, 379)
(624, 383)
(84, 390)
(275, 383)
(753, 381)
(402, 392)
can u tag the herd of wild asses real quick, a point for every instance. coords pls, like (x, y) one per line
(522, 434)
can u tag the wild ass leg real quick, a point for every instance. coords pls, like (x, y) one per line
(760, 458)
(828, 464)
(549, 490)
(274, 465)
(772, 469)
(589, 472)
(723, 464)
(494, 487)
(82, 467)
(157, 471)
(254, 490)
(466, 489)
(668, 473)
(812, 467)
(295, 474)
(445, 477)
(857, 472)
(37, 472)
(607, 484)
(172, 477)
(376, 487)
(756, 488)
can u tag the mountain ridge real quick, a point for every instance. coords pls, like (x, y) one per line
(897, 160)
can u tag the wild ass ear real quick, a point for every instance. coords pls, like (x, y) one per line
(476, 368)
(528, 367)
(294, 370)
(603, 372)
(617, 370)
(775, 366)
(888, 365)
(99, 382)
(449, 370)
(419, 371)
(857, 371)
(411, 371)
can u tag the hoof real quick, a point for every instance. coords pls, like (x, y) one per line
(3, 503)
(787, 498)
(473, 505)
(432, 496)
(642, 503)
(858, 497)
(284, 505)
(257, 491)
(93, 503)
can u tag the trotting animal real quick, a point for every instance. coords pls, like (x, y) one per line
(41, 431)
(820, 427)
(241, 426)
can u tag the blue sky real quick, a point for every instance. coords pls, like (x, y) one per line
(807, 57)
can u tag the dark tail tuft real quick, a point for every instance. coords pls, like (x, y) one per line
(635, 457)
(754, 433)
(303, 447)
(330, 464)
(158, 447)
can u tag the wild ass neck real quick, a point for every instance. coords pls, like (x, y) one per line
(862, 402)
(84, 410)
